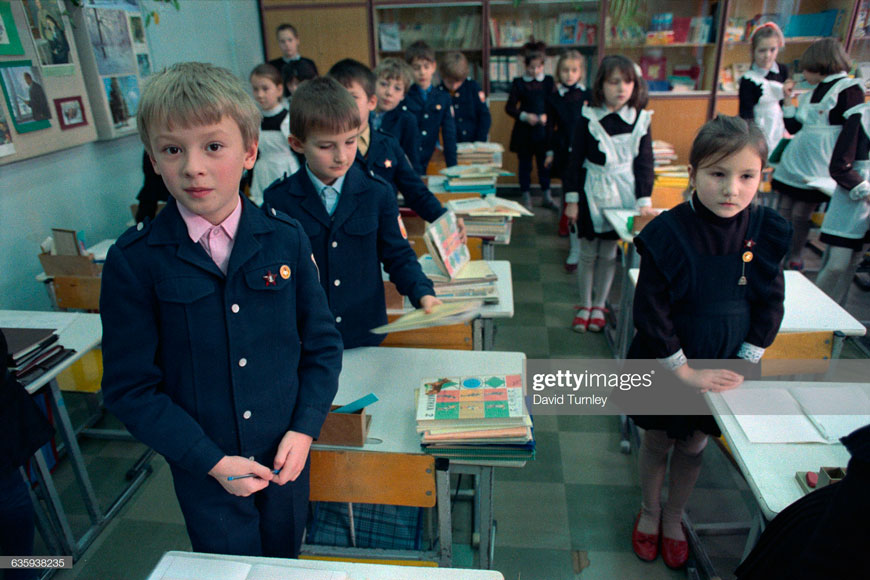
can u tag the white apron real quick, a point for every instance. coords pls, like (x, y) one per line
(612, 185)
(847, 218)
(276, 160)
(808, 155)
(768, 112)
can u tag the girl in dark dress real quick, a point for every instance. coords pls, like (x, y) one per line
(710, 287)
(527, 103)
(564, 106)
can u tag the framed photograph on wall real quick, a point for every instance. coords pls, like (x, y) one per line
(25, 96)
(49, 36)
(70, 112)
(110, 40)
(10, 44)
(123, 97)
(6, 145)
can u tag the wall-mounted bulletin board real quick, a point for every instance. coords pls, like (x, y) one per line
(110, 35)
(44, 105)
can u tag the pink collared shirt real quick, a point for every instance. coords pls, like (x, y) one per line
(217, 240)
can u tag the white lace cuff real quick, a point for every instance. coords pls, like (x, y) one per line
(524, 116)
(643, 202)
(860, 191)
(572, 197)
(750, 352)
(789, 111)
(674, 361)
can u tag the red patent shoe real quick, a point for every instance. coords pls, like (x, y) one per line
(675, 553)
(581, 320)
(597, 319)
(645, 546)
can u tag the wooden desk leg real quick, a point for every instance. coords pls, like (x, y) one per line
(445, 517)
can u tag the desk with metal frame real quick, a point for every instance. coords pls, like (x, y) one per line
(82, 333)
(393, 374)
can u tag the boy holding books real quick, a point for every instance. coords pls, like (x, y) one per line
(350, 215)
(219, 348)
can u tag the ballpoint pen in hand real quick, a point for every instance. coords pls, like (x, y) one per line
(247, 475)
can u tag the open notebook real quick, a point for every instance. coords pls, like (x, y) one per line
(800, 414)
(198, 568)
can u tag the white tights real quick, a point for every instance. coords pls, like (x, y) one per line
(799, 214)
(595, 271)
(838, 268)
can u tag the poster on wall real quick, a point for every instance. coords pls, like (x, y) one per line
(123, 96)
(9, 42)
(137, 31)
(144, 62)
(25, 96)
(70, 112)
(6, 145)
(49, 37)
(128, 5)
(110, 39)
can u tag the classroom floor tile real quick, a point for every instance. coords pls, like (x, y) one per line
(531, 515)
(546, 467)
(533, 564)
(594, 458)
(601, 517)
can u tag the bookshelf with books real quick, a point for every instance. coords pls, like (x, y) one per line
(802, 24)
(673, 41)
(445, 26)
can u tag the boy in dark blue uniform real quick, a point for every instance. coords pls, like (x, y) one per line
(469, 103)
(432, 108)
(219, 348)
(394, 78)
(350, 215)
(288, 42)
(378, 152)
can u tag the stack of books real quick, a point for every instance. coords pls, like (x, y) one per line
(472, 178)
(663, 153)
(33, 352)
(490, 218)
(478, 419)
(672, 176)
(455, 275)
(480, 153)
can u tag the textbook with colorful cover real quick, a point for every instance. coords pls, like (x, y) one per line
(450, 255)
(482, 401)
(441, 315)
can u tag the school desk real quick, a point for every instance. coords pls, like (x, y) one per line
(393, 374)
(77, 291)
(196, 566)
(483, 327)
(770, 468)
(82, 333)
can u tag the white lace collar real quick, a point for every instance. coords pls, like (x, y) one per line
(563, 89)
(764, 72)
(626, 113)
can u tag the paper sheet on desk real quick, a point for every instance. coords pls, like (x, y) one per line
(795, 415)
(205, 569)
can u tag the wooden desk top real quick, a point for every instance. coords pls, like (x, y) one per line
(76, 330)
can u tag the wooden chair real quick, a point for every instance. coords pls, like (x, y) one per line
(79, 292)
(795, 353)
(388, 479)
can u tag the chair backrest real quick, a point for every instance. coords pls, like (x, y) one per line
(667, 197)
(359, 476)
(81, 292)
(794, 353)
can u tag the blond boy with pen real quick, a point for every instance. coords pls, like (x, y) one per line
(219, 349)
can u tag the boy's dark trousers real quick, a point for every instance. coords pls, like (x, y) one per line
(524, 171)
(16, 522)
(268, 523)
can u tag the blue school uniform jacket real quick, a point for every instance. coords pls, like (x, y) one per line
(471, 111)
(387, 160)
(198, 364)
(350, 247)
(402, 125)
(433, 113)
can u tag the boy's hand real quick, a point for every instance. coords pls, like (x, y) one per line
(704, 380)
(572, 210)
(234, 465)
(291, 456)
(428, 302)
(463, 235)
(548, 160)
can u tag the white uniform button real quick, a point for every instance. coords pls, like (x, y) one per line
(246, 414)
(243, 362)
(235, 308)
(139, 226)
(252, 458)
(334, 244)
(274, 212)
(338, 319)
(337, 283)
(424, 132)
(426, 116)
